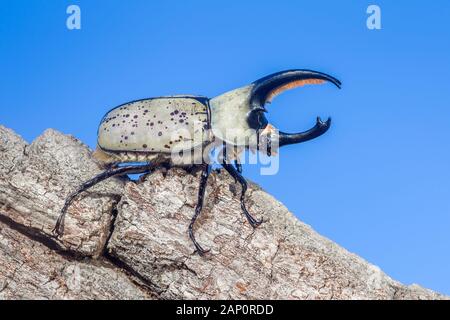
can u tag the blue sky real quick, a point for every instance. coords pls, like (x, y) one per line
(378, 183)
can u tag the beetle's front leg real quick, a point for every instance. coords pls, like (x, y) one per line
(238, 177)
(198, 208)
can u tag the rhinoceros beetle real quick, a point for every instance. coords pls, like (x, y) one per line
(138, 136)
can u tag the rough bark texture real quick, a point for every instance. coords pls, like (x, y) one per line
(31, 270)
(128, 240)
(36, 178)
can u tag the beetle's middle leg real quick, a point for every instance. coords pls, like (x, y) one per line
(110, 172)
(198, 208)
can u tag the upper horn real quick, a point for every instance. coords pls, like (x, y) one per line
(265, 89)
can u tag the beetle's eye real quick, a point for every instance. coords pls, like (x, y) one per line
(257, 120)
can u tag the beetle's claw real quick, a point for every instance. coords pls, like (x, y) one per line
(259, 222)
(255, 223)
(322, 124)
(198, 247)
(58, 230)
(201, 251)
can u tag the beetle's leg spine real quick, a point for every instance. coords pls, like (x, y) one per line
(59, 227)
(198, 208)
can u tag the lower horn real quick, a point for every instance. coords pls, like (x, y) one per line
(316, 131)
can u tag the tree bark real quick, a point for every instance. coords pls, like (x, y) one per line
(128, 240)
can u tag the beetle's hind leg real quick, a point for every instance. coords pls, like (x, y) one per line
(239, 178)
(110, 172)
(198, 208)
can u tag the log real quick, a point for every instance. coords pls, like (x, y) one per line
(35, 179)
(29, 269)
(128, 239)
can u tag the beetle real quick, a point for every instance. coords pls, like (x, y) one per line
(138, 136)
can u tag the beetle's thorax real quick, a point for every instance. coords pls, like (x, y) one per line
(229, 117)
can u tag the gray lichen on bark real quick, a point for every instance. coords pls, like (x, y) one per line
(128, 240)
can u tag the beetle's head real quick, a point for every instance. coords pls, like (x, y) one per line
(238, 116)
